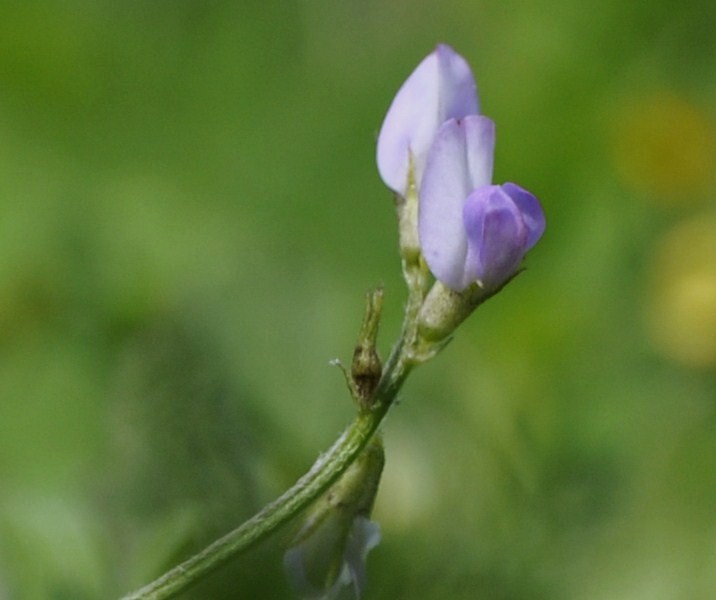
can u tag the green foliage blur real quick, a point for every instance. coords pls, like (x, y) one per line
(190, 215)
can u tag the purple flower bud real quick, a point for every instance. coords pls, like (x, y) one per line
(472, 231)
(442, 87)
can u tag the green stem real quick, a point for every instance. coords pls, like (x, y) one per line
(326, 470)
(329, 467)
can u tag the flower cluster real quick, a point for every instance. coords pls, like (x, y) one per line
(470, 231)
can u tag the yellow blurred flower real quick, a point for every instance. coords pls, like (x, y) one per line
(664, 147)
(681, 313)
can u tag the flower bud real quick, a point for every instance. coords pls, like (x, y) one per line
(328, 553)
(470, 230)
(366, 367)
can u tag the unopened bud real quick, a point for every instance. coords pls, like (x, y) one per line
(367, 368)
(329, 551)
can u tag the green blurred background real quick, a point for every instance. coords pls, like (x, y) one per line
(190, 215)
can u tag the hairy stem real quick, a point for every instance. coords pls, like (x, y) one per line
(326, 470)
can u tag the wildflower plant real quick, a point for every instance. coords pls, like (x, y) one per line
(461, 239)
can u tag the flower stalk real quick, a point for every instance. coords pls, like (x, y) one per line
(325, 471)
(435, 152)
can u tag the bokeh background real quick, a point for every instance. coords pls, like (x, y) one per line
(190, 215)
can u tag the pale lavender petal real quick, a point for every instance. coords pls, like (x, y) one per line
(314, 562)
(444, 188)
(364, 536)
(497, 237)
(531, 210)
(479, 134)
(460, 156)
(458, 90)
(295, 567)
(441, 87)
